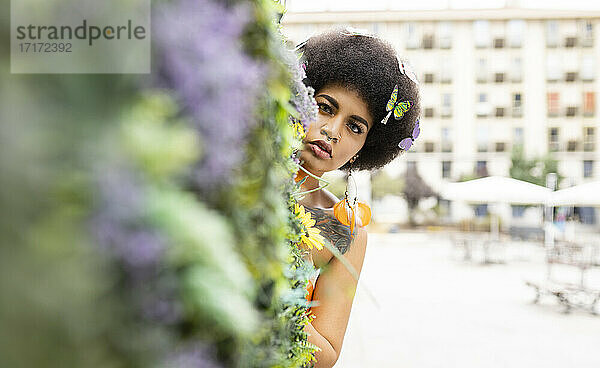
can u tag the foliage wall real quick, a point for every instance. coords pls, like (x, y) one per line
(146, 221)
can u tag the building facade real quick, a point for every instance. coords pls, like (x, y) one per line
(491, 79)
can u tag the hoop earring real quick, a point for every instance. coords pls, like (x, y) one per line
(349, 210)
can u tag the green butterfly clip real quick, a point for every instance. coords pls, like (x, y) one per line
(399, 108)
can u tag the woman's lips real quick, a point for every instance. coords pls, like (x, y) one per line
(319, 152)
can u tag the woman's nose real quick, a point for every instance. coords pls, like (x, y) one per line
(333, 128)
(330, 134)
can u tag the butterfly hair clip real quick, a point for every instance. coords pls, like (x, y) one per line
(406, 69)
(398, 107)
(406, 143)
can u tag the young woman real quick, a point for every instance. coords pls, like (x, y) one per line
(368, 104)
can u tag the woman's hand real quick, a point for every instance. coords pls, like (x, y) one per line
(334, 292)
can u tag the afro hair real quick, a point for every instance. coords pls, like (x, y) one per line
(369, 66)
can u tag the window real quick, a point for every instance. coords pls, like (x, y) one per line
(570, 42)
(570, 76)
(553, 104)
(518, 135)
(589, 139)
(572, 146)
(499, 43)
(446, 72)
(428, 41)
(553, 68)
(445, 35)
(500, 146)
(516, 70)
(571, 111)
(482, 138)
(481, 169)
(553, 139)
(446, 105)
(446, 169)
(429, 147)
(481, 71)
(446, 140)
(587, 39)
(375, 28)
(428, 78)
(481, 30)
(587, 215)
(499, 77)
(589, 103)
(499, 112)
(516, 29)
(588, 168)
(428, 112)
(551, 33)
(517, 104)
(412, 41)
(482, 108)
(481, 210)
(587, 68)
(517, 210)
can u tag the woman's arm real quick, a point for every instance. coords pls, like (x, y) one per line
(335, 291)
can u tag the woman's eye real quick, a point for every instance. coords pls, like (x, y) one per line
(326, 108)
(355, 128)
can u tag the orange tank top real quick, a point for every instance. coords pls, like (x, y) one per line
(312, 281)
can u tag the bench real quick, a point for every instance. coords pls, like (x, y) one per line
(570, 295)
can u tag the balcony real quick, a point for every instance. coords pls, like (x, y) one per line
(570, 42)
(572, 146)
(589, 146)
(446, 146)
(517, 112)
(570, 76)
(571, 111)
(446, 111)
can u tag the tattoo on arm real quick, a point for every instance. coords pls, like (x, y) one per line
(333, 230)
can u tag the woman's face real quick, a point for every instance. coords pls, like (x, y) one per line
(343, 116)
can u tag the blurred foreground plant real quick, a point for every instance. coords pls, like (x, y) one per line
(149, 222)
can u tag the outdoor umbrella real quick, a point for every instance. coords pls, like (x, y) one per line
(587, 194)
(496, 189)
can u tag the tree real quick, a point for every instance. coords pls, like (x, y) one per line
(532, 170)
(415, 189)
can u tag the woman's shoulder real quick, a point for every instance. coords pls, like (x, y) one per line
(333, 230)
(329, 198)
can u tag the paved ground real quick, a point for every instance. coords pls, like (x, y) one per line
(436, 310)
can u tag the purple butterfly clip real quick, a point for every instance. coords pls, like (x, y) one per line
(406, 143)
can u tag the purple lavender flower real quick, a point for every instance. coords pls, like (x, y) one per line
(121, 230)
(118, 222)
(197, 355)
(302, 95)
(218, 84)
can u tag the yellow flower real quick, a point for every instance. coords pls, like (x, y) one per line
(312, 236)
(299, 129)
